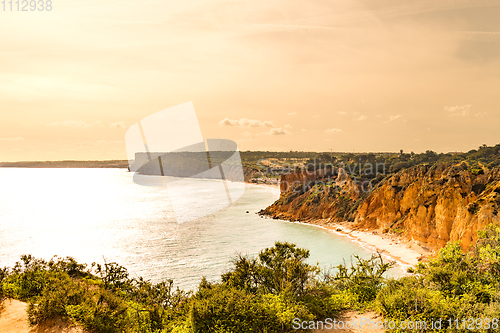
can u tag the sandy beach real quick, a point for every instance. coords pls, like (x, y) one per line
(392, 247)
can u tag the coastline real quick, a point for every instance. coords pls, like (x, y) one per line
(405, 253)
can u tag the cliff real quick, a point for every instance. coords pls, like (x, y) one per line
(427, 204)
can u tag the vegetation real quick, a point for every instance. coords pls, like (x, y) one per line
(264, 294)
(362, 165)
(366, 166)
(454, 287)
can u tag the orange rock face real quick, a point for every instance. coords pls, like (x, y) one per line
(430, 205)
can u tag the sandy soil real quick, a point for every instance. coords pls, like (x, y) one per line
(14, 319)
(357, 318)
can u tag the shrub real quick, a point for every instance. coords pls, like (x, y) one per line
(218, 308)
(362, 279)
(262, 294)
(3, 274)
(454, 285)
(278, 269)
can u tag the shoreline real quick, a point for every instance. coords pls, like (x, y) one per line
(405, 253)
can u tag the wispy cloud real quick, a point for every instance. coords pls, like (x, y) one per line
(245, 122)
(110, 141)
(260, 28)
(333, 130)
(275, 131)
(278, 131)
(19, 138)
(292, 113)
(394, 118)
(118, 124)
(458, 111)
(70, 123)
(360, 118)
(342, 113)
(486, 36)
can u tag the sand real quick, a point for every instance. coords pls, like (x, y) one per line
(349, 317)
(392, 247)
(14, 319)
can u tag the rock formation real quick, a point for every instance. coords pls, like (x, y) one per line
(427, 204)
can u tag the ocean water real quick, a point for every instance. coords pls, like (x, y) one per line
(101, 214)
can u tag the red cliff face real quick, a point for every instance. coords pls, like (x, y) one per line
(316, 195)
(431, 205)
(434, 205)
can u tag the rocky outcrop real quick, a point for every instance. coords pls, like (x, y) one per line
(322, 194)
(431, 205)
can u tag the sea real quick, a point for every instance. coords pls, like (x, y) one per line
(101, 215)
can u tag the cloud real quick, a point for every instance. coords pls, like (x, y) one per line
(303, 130)
(228, 122)
(486, 36)
(333, 130)
(267, 27)
(481, 114)
(292, 113)
(19, 138)
(70, 123)
(245, 122)
(106, 141)
(118, 124)
(246, 134)
(458, 111)
(278, 131)
(342, 113)
(393, 118)
(288, 126)
(360, 118)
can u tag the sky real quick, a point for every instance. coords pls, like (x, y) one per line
(315, 75)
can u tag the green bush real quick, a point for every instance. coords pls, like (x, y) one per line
(217, 308)
(454, 285)
(262, 294)
(278, 269)
(363, 279)
(3, 275)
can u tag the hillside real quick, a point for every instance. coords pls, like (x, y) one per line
(430, 203)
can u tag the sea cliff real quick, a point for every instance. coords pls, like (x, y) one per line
(428, 204)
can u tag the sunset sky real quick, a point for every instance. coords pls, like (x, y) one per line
(319, 75)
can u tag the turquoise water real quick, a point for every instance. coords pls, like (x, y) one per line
(92, 214)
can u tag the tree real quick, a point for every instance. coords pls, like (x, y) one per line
(281, 268)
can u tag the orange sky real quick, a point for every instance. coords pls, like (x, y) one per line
(317, 75)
